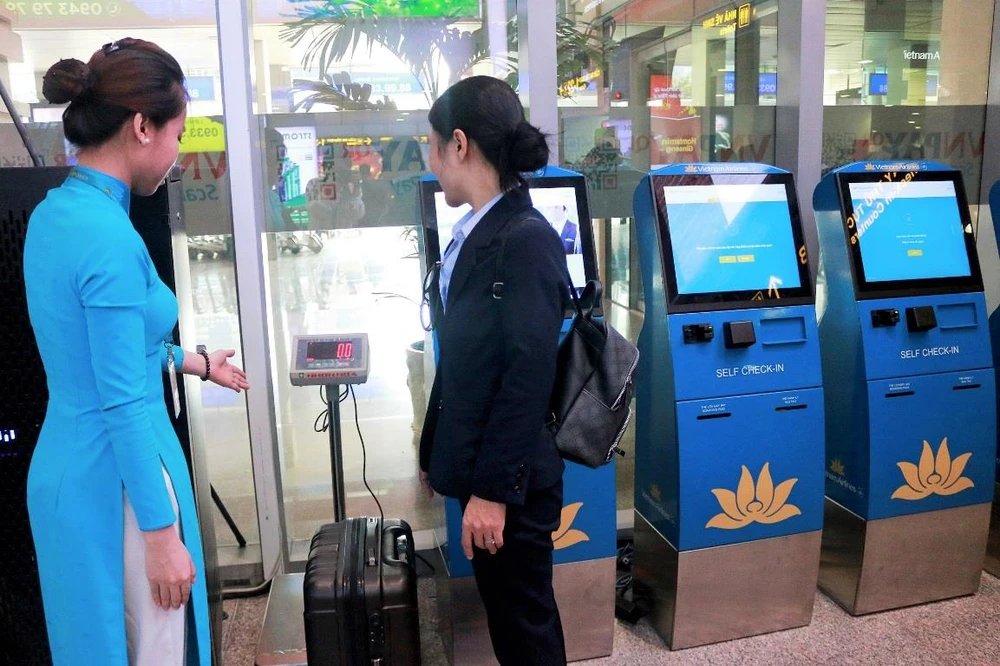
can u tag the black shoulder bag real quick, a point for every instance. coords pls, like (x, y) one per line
(590, 406)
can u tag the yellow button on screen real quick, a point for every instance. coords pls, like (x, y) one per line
(727, 259)
(746, 258)
(914, 253)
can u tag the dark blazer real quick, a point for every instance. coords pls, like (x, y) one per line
(485, 433)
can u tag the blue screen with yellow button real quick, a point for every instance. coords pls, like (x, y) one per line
(909, 230)
(735, 237)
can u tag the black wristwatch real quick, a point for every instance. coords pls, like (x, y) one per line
(203, 350)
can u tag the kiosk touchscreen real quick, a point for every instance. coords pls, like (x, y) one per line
(586, 541)
(911, 411)
(729, 432)
(560, 198)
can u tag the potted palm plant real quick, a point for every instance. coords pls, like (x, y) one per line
(437, 51)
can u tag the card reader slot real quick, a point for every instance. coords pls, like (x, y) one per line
(721, 415)
(900, 394)
(790, 408)
(966, 387)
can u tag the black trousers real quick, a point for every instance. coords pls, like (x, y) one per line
(516, 584)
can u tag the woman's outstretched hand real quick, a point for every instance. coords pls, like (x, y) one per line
(224, 373)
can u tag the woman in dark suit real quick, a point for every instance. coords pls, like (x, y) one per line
(498, 321)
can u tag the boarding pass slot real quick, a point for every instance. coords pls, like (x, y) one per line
(782, 331)
(957, 316)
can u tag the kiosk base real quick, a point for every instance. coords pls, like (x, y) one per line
(878, 565)
(727, 592)
(992, 565)
(585, 592)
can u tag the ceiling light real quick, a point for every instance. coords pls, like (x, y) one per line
(865, 62)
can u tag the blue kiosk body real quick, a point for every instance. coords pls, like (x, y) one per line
(729, 433)
(911, 406)
(586, 542)
(993, 546)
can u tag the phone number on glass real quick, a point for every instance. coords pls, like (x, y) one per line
(64, 8)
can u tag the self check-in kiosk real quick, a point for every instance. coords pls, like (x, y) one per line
(729, 434)
(911, 411)
(993, 545)
(586, 541)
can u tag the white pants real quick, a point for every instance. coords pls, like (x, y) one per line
(155, 637)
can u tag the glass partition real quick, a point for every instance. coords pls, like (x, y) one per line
(907, 81)
(343, 91)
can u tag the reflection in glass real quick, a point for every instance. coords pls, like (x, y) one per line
(343, 92)
(907, 81)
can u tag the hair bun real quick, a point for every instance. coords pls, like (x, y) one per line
(529, 150)
(67, 81)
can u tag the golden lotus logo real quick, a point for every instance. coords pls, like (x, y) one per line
(691, 169)
(564, 537)
(938, 475)
(655, 492)
(760, 503)
(837, 467)
(869, 167)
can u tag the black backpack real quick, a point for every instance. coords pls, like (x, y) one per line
(591, 403)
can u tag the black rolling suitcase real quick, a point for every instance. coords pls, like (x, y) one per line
(360, 594)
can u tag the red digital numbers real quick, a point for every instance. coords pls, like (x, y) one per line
(345, 350)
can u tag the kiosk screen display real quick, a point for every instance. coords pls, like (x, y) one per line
(909, 232)
(556, 204)
(916, 235)
(731, 238)
(561, 200)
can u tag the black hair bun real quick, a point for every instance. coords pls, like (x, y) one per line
(529, 151)
(67, 81)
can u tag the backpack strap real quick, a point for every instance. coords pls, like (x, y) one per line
(498, 278)
(498, 272)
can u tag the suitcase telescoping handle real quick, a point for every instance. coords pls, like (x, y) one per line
(397, 546)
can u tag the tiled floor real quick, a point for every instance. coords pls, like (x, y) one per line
(962, 632)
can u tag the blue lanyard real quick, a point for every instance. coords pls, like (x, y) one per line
(116, 190)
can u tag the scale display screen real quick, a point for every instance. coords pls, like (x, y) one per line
(322, 352)
(909, 232)
(330, 359)
(731, 239)
(562, 202)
